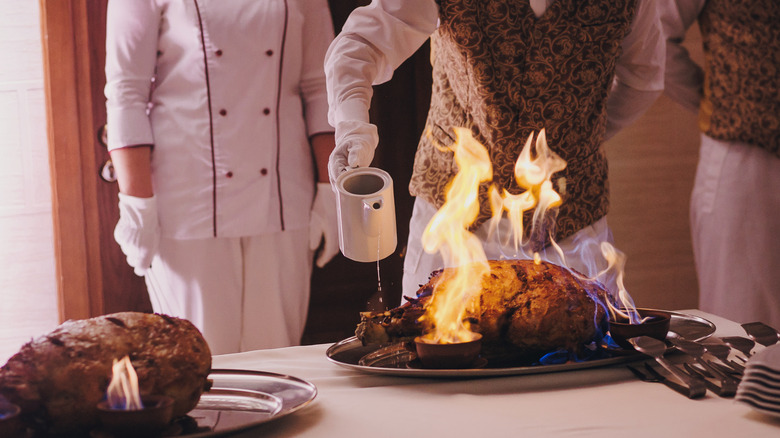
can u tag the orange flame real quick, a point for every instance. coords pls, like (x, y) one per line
(616, 263)
(447, 232)
(533, 171)
(123, 392)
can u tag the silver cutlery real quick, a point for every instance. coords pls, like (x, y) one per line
(696, 387)
(728, 384)
(741, 344)
(761, 333)
(724, 390)
(654, 376)
(722, 352)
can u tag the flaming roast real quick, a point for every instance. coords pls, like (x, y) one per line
(523, 310)
(58, 379)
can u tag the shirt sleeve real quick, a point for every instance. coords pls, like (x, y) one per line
(639, 74)
(318, 34)
(374, 41)
(684, 78)
(131, 52)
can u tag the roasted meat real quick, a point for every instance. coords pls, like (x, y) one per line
(524, 309)
(58, 379)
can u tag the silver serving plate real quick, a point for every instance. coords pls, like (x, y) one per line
(241, 399)
(394, 361)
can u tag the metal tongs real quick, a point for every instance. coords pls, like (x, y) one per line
(694, 385)
(727, 385)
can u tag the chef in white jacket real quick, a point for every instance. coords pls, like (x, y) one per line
(218, 131)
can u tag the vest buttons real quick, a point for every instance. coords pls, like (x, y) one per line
(229, 174)
(266, 111)
(223, 112)
(269, 52)
(218, 52)
(263, 171)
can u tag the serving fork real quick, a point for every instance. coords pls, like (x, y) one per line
(741, 344)
(727, 384)
(722, 353)
(695, 385)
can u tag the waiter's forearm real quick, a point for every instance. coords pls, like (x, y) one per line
(322, 145)
(133, 168)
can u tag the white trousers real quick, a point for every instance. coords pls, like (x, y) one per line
(735, 227)
(581, 251)
(242, 293)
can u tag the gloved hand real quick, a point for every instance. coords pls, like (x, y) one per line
(355, 144)
(138, 231)
(324, 224)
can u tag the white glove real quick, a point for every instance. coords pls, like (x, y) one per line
(324, 224)
(138, 231)
(355, 144)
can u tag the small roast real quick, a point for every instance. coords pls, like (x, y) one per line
(59, 378)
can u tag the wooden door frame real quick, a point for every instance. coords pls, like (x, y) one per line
(93, 277)
(68, 90)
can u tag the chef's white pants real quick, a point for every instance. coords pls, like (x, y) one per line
(243, 293)
(581, 251)
(735, 227)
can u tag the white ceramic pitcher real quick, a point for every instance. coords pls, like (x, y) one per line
(366, 213)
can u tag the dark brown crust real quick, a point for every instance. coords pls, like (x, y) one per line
(58, 379)
(524, 307)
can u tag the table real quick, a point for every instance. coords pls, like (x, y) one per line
(599, 402)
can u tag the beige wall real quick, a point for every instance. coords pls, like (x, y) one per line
(28, 300)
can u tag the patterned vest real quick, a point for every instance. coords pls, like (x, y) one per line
(505, 74)
(742, 72)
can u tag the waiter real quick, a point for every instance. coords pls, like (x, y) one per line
(505, 69)
(735, 203)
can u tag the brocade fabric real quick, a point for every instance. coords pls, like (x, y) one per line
(742, 72)
(523, 74)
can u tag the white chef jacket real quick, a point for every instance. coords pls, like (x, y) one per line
(397, 28)
(228, 92)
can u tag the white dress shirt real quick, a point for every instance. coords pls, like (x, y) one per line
(228, 93)
(379, 37)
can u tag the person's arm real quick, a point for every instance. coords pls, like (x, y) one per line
(374, 41)
(684, 78)
(322, 146)
(132, 29)
(131, 51)
(133, 169)
(639, 74)
(318, 35)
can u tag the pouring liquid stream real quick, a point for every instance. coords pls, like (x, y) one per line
(378, 276)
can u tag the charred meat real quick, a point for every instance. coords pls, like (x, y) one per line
(58, 379)
(524, 309)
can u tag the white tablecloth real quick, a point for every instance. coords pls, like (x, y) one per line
(599, 402)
